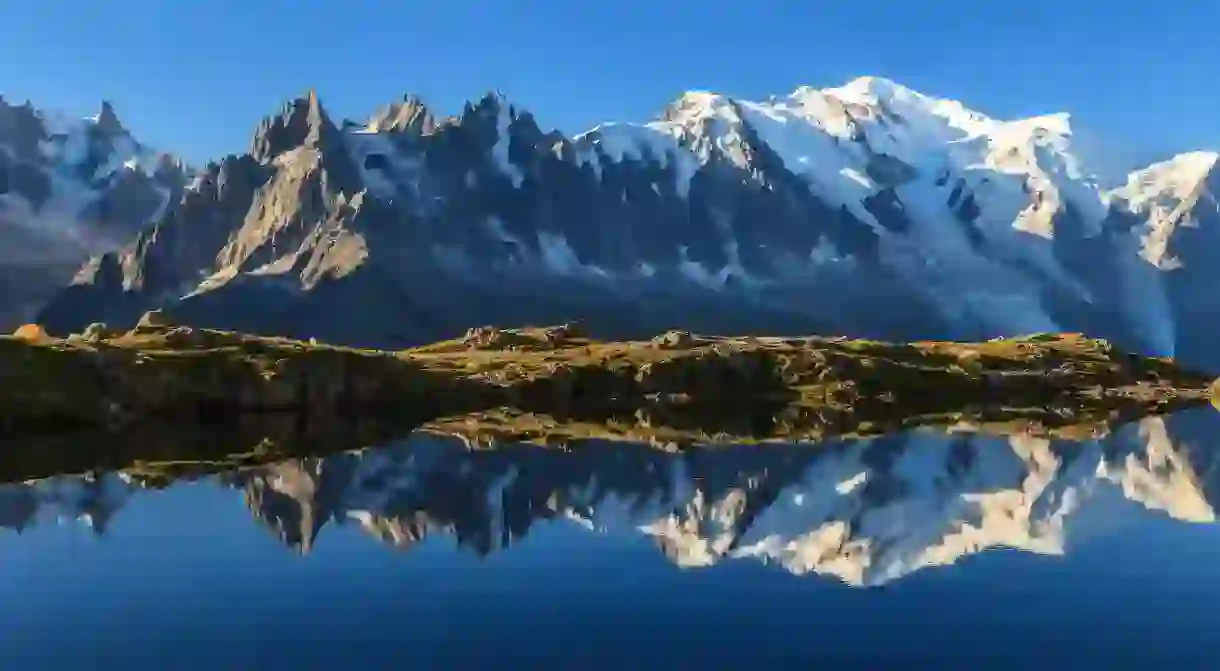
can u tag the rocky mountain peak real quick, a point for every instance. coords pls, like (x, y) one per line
(488, 106)
(21, 131)
(169, 169)
(410, 115)
(301, 122)
(107, 121)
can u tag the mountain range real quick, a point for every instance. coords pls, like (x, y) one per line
(863, 512)
(71, 189)
(868, 209)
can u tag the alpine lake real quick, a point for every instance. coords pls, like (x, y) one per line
(948, 532)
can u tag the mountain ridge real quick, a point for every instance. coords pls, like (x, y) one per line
(928, 219)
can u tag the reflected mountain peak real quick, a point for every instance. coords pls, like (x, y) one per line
(1160, 477)
(401, 533)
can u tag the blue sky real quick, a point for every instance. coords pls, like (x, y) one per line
(195, 77)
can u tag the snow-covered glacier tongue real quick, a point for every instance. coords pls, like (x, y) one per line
(866, 209)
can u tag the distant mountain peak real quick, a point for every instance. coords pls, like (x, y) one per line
(410, 114)
(1175, 178)
(1171, 196)
(302, 121)
(876, 87)
(107, 121)
(495, 96)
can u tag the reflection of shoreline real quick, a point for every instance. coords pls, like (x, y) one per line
(865, 512)
(164, 450)
(170, 448)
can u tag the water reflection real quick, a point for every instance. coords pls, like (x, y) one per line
(864, 512)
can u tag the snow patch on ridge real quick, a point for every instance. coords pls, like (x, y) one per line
(500, 149)
(657, 141)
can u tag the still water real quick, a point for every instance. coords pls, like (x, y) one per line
(950, 551)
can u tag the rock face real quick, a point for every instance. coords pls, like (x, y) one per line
(70, 189)
(869, 210)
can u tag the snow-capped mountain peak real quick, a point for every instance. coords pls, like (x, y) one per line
(852, 142)
(871, 95)
(1166, 196)
(1167, 183)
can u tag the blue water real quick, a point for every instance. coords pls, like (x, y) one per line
(189, 578)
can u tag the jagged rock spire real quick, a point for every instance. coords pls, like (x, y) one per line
(108, 121)
(301, 122)
(410, 115)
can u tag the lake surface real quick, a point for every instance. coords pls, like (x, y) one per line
(950, 551)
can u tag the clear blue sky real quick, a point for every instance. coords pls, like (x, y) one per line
(195, 77)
